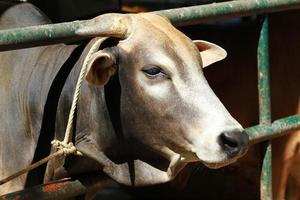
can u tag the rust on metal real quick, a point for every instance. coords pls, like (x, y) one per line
(62, 189)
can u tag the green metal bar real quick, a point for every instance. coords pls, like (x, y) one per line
(58, 190)
(264, 75)
(55, 33)
(263, 69)
(266, 175)
(230, 9)
(38, 35)
(278, 128)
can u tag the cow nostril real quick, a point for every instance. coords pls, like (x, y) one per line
(228, 142)
(234, 142)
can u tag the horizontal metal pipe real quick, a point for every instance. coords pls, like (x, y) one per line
(278, 128)
(64, 32)
(63, 189)
(31, 36)
(230, 9)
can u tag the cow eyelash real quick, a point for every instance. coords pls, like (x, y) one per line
(154, 72)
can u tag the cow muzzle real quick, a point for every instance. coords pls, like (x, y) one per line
(234, 143)
(223, 149)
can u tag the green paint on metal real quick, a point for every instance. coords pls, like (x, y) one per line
(278, 128)
(263, 69)
(58, 190)
(38, 35)
(266, 175)
(290, 123)
(265, 131)
(56, 33)
(264, 75)
(217, 11)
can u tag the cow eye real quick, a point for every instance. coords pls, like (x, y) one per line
(154, 72)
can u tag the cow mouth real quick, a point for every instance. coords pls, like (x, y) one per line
(225, 158)
(218, 165)
(209, 164)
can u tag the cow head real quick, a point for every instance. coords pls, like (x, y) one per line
(166, 102)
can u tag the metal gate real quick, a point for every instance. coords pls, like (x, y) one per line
(264, 131)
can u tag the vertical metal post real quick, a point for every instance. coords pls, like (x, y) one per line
(264, 75)
(265, 105)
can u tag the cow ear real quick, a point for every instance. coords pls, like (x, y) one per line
(100, 68)
(210, 53)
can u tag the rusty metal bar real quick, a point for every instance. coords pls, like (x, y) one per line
(57, 190)
(63, 32)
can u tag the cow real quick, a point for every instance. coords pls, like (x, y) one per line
(164, 115)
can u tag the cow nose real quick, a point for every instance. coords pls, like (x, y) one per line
(234, 142)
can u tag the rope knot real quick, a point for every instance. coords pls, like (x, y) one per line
(66, 148)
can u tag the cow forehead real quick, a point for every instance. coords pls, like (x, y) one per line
(155, 34)
(160, 29)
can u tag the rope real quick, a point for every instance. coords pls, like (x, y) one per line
(68, 134)
(31, 167)
(64, 147)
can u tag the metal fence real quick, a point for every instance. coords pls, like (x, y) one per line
(264, 131)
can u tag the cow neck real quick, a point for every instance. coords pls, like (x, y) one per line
(98, 104)
(112, 93)
(50, 109)
(94, 132)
